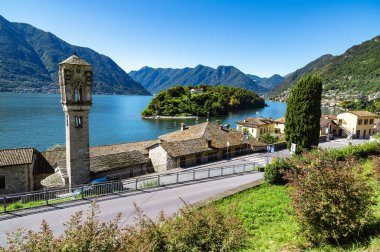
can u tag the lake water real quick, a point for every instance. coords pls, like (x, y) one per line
(37, 120)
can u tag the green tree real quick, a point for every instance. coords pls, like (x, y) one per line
(303, 113)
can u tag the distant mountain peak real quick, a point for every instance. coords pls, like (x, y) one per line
(29, 59)
(157, 79)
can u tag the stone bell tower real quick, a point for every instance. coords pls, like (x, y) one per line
(75, 80)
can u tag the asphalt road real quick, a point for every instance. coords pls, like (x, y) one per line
(167, 199)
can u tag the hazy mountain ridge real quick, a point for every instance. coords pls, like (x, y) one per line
(158, 79)
(29, 60)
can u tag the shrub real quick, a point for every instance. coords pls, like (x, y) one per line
(268, 138)
(57, 147)
(275, 171)
(332, 199)
(205, 229)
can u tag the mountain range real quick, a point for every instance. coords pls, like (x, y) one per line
(29, 59)
(158, 79)
(356, 71)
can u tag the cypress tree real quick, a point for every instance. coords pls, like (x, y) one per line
(303, 113)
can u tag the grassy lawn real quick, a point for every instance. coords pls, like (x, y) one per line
(266, 212)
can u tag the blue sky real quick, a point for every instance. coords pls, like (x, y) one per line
(258, 37)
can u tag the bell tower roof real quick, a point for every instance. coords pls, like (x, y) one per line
(75, 60)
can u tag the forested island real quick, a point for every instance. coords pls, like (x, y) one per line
(202, 100)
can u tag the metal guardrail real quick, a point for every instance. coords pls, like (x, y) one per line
(21, 201)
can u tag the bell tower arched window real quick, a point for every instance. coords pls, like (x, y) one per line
(78, 92)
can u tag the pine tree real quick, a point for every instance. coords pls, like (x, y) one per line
(303, 113)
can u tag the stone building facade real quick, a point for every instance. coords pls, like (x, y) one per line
(21, 170)
(199, 144)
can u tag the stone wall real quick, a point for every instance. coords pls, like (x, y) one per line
(159, 158)
(16, 178)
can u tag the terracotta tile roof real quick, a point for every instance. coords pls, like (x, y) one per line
(186, 147)
(125, 147)
(191, 132)
(362, 113)
(74, 60)
(280, 120)
(254, 122)
(16, 156)
(208, 132)
(331, 117)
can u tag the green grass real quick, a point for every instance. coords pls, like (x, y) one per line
(19, 205)
(267, 215)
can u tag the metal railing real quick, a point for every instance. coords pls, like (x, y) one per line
(20, 201)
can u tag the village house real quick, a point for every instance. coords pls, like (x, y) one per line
(359, 124)
(198, 144)
(279, 127)
(22, 170)
(256, 126)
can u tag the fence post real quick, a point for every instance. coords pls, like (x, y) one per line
(136, 184)
(5, 203)
(233, 169)
(82, 192)
(221, 172)
(193, 174)
(112, 189)
(46, 197)
(158, 181)
(208, 172)
(177, 177)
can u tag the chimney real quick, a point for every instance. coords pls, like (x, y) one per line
(183, 127)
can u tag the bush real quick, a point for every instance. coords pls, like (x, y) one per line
(205, 229)
(275, 171)
(57, 147)
(332, 199)
(268, 138)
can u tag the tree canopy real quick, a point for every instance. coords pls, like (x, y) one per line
(303, 113)
(202, 100)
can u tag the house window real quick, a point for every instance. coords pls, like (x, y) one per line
(370, 121)
(365, 121)
(360, 122)
(78, 122)
(2, 182)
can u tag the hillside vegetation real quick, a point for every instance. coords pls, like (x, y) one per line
(209, 100)
(29, 59)
(355, 71)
